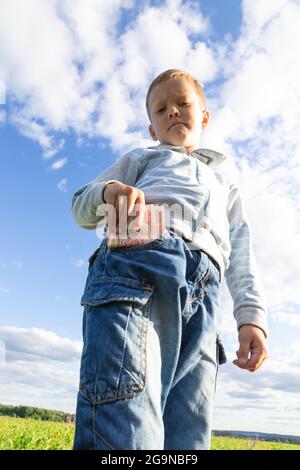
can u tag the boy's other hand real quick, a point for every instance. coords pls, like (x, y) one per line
(124, 205)
(252, 340)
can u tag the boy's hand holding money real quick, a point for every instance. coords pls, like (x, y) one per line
(130, 221)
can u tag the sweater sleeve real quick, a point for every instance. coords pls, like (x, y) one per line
(88, 205)
(242, 276)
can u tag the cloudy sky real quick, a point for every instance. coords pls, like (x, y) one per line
(73, 81)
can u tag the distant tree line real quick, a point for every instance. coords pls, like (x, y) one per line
(36, 413)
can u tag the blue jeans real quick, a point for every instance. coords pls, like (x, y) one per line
(151, 348)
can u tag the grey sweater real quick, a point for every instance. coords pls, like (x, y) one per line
(214, 219)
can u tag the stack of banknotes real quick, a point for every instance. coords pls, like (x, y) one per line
(152, 227)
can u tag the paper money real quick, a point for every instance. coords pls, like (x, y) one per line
(152, 227)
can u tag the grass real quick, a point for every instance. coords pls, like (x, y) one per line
(31, 434)
(234, 443)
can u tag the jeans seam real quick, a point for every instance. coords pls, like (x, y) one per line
(202, 282)
(128, 281)
(148, 305)
(129, 317)
(143, 345)
(96, 433)
(97, 401)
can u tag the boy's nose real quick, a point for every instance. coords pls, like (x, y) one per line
(173, 112)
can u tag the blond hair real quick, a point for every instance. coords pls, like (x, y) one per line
(172, 73)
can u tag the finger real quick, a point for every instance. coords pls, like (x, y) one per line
(240, 363)
(110, 213)
(132, 197)
(132, 209)
(243, 354)
(256, 360)
(140, 207)
(235, 361)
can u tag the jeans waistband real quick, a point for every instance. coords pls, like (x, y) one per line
(103, 247)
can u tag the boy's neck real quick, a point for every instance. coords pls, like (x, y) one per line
(187, 149)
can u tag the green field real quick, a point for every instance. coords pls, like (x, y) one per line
(32, 434)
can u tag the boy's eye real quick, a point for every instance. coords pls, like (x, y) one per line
(183, 103)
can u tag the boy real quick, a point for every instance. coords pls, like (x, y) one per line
(151, 326)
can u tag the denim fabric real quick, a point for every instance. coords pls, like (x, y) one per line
(151, 348)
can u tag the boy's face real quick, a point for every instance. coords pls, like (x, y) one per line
(177, 116)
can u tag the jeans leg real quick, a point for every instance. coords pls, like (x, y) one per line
(171, 408)
(189, 405)
(133, 423)
(122, 388)
(188, 411)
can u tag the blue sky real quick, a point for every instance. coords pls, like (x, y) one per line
(74, 101)
(41, 239)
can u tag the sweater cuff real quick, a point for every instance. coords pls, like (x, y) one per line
(255, 317)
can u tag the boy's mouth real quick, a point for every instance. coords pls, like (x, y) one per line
(176, 124)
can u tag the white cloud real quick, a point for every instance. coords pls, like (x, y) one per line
(38, 368)
(290, 319)
(266, 401)
(92, 78)
(59, 163)
(53, 62)
(256, 117)
(260, 13)
(2, 353)
(39, 343)
(146, 52)
(78, 263)
(43, 384)
(40, 133)
(62, 185)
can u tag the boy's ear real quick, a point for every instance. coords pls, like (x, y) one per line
(205, 118)
(152, 132)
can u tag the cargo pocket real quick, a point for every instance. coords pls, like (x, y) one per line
(115, 325)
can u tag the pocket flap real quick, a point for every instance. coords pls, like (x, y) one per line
(105, 289)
